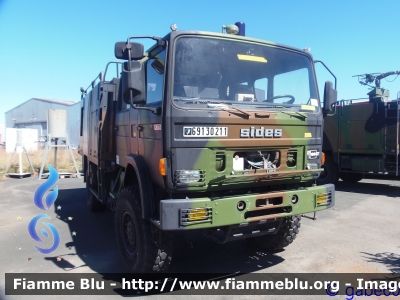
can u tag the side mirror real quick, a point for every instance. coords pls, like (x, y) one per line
(330, 96)
(133, 82)
(121, 50)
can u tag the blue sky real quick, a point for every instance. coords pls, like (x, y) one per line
(49, 49)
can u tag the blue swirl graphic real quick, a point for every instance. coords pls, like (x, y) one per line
(32, 232)
(44, 187)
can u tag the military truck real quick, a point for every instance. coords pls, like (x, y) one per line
(361, 136)
(204, 131)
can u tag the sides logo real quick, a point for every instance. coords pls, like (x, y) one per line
(45, 205)
(260, 132)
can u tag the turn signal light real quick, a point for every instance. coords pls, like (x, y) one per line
(321, 199)
(198, 214)
(162, 167)
(323, 158)
(191, 216)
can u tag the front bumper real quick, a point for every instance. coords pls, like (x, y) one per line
(183, 214)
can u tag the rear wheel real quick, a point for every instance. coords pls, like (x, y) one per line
(141, 251)
(283, 238)
(351, 177)
(330, 174)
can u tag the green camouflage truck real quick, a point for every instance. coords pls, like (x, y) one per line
(361, 136)
(204, 131)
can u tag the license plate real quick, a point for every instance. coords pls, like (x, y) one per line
(193, 131)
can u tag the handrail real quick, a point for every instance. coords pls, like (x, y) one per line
(102, 76)
(117, 63)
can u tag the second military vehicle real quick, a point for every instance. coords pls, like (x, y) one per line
(204, 131)
(362, 135)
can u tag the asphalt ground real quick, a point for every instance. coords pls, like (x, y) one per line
(359, 235)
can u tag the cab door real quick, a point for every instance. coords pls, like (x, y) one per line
(149, 123)
(125, 130)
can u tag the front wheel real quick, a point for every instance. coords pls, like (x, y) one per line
(283, 238)
(140, 252)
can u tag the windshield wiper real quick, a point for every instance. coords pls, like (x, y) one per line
(213, 104)
(290, 113)
(295, 114)
(225, 107)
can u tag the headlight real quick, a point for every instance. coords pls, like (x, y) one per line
(312, 166)
(312, 154)
(187, 176)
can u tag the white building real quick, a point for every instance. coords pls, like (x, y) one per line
(33, 114)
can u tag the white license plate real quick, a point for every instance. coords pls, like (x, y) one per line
(192, 131)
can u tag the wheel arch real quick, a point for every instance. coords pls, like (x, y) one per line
(136, 172)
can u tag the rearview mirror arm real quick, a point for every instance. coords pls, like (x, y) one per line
(320, 61)
(160, 41)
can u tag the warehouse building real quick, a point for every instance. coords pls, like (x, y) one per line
(33, 114)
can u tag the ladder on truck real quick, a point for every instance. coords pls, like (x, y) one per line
(391, 154)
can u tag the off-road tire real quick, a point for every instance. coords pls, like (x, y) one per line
(92, 203)
(330, 173)
(284, 237)
(138, 247)
(351, 177)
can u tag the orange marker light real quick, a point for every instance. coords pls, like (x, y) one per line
(162, 167)
(323, 158)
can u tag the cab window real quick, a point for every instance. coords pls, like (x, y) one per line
(155, 78)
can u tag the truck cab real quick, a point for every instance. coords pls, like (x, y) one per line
(208, 131)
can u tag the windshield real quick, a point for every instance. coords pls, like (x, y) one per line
(211, 71)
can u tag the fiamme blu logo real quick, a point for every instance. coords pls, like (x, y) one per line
(45, 204)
